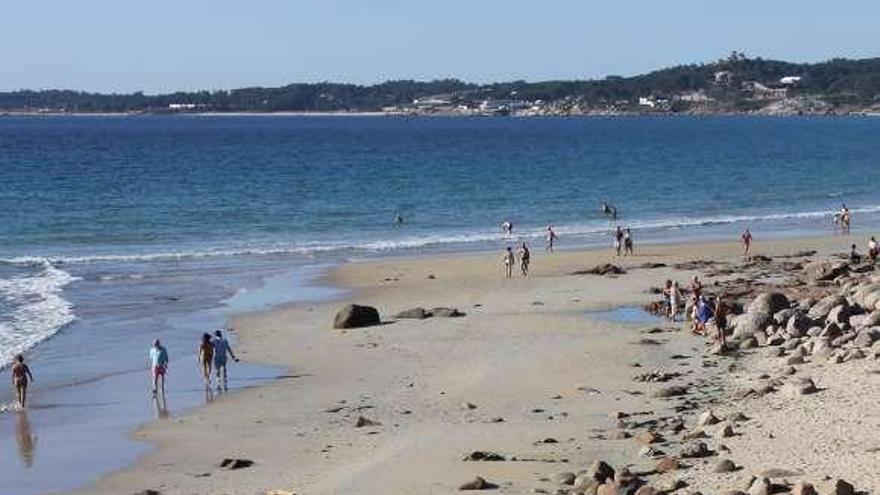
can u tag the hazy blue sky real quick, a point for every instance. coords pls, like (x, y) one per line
(164, 45)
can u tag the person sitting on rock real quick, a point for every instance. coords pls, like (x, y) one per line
(854, 256)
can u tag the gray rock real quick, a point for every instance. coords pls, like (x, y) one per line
(446, 313)
(413, 313)
(564, 478)
(355, 316)
(746, 324)
(819, 271)
(478, 483)
(768, 303)
(797, 387)
(780, 317)
(707, 418)
(842, 487)
(760, 486)
(794, 360)
(748, 343)
(798, 325)
(803, 488)
(821, 309)
(671, 391)
(695, 450)
(865, 338)
(840, 314)
(724, 466)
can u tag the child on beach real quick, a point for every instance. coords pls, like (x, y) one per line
(747, 242)
(21, 374)
(221, 349)
(206, 357)
(158, 365)
(509, 260)
(524, 259)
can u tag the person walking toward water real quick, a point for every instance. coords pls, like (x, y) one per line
(524, 259)
(206, 357)
(21, 375)
(618, 240)
(721, 319)
(509, 260)
(551, 238)
(628, 243)
(747, 243)
(158, 365)
(221, 349)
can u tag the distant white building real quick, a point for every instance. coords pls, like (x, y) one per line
(647, 101)
(723, 77)
(790, 80)
(182, 106)
(693, 97)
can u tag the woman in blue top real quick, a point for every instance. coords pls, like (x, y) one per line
(221, 348)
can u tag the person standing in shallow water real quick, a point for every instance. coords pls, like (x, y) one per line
(221, 349)
(618, 240)
(206, 357)
(551, 238)
(158, 365)
(627, 243)
(21, 374)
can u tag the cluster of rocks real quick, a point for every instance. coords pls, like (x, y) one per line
(357, 316)
(837, 321)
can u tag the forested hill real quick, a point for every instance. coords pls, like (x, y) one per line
(728, 84)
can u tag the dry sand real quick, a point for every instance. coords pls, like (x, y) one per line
(526, 352)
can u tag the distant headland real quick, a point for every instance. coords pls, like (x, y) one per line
(736, 84)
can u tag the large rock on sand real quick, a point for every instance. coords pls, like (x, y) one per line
(747, 324)
(769, 303)
(819, 271)
(413, 313)
(820, 310)
(355, 316)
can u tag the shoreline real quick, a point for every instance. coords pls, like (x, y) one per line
(363, 282)
(598, 114)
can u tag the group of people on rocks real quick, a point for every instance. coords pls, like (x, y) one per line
(699, 307)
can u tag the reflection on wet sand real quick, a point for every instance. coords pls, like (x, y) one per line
(161, 406)
(27, 442)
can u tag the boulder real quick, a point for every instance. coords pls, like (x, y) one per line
(821, 309)
(355, 316)
(599, 471)
(782, 316)
(760, 486)
(865, 338)
(446, 313)
(564, 478)
(803, 488)
(746, 324)
(798, 325)
(842, 487)
(768, 303)
(725, 431)
(667, 464)
(750, 342)
(695, 450)
(819, 271)
(707, 418)
(868, 296)
(478, 483)
(799, 386)
(413, 313)
(840, 314)
(724, 466)
(233, 464)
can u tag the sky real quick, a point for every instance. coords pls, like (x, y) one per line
(169, 45)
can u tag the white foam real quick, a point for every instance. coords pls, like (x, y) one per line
(596, 228)
(37, 310)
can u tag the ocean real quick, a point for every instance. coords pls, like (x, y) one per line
(116, 230)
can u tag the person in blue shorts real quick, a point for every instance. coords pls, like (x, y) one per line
(221, 349)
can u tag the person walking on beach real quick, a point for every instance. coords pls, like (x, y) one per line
(674, 296)
(551, 238)
(747, 243)
(221, 349)
(628, 243)
(618, 240)
(21, 374)
(158, 365)
(206, 357)
(873, 250)
(507, 227)
(509, 260)
(524, 259)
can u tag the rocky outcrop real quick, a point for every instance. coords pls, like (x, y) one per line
(355, 316)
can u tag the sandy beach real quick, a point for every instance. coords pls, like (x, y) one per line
(536, 371)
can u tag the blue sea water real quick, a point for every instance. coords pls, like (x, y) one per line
(114, 230)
